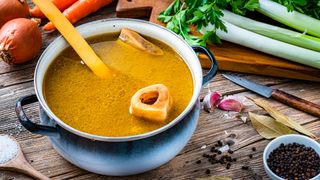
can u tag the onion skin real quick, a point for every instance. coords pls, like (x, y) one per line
(11, 9)
(20, 41)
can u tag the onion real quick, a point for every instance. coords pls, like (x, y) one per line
(11, 9)
(20, 41)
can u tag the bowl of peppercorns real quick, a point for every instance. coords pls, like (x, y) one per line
(292, 157)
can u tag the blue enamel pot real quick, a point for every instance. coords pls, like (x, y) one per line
(119, 156)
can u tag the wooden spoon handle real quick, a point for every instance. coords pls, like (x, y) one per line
(296, 102)
(35, 174)
(89, 57)
(21, 165)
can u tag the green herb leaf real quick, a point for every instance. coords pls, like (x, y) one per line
(252, 5)
(308, 7)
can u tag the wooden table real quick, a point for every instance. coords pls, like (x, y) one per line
(17, 81)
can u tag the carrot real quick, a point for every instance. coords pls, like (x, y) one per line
(79, 10)
(61, 5)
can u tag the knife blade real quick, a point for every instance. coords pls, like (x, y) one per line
(276, 94)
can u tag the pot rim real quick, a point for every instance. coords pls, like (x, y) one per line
(191, 104)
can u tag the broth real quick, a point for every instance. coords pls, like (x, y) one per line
(101, 106)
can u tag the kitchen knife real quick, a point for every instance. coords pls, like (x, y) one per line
(276, 94)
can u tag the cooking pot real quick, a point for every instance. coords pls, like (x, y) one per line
(119, 156)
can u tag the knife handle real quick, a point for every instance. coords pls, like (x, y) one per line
(296, 102)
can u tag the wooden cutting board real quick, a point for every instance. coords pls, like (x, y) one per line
(231, 57)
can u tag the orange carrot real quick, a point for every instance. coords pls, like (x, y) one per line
(61, 5)
(79, 10)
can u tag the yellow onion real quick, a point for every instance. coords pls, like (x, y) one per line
(11, 9)
(20, 41)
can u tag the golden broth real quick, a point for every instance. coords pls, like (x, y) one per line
(101, 106)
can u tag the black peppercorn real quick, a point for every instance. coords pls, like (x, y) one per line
(294, 161)
(228, 166)
(208, 171)
(198, 162)
(213, 149)
(244, 167)
(254, 149)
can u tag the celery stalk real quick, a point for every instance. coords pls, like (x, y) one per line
(267, 45)
(273, 32)
(292, 19)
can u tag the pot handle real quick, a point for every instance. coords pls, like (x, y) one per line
(214, 64)
(27, 123)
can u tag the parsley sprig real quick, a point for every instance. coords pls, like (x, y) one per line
(179, 16)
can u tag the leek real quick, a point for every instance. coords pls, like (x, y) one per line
(292, 19)
(267, 45)
(273, 32)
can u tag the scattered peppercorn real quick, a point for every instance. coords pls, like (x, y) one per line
(213, 149)
(228, 166)
(250, 156)
(31, 161)
(294, 161)
(254, 149)
(217, 156)
(245, 167)
(208, 171)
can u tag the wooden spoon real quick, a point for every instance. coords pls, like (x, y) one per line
(20, 164)
(77, 42)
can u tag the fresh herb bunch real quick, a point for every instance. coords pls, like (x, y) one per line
(308, 7)
(179, 16)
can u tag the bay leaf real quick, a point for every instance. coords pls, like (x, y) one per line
(268, 127)
(214, 178)
(278, 116)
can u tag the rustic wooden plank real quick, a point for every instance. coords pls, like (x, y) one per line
(16, 77)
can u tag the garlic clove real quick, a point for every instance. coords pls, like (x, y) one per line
(210, 100)
(230, 105)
